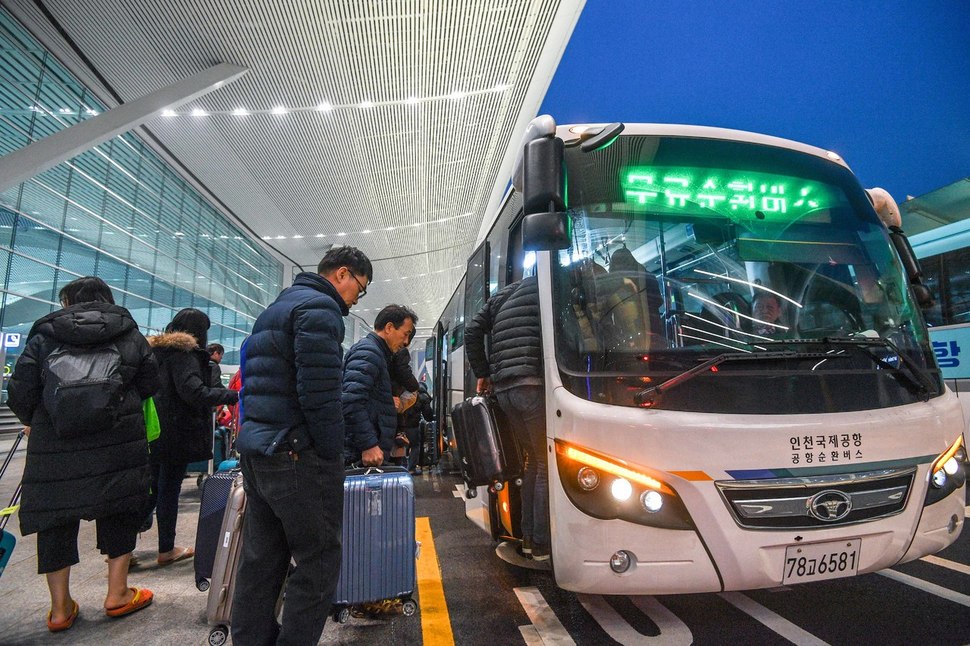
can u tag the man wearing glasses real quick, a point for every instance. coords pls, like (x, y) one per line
(291, 445)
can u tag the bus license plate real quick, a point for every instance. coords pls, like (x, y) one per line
(819, 561)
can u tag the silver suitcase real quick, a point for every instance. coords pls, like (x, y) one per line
(228, 550)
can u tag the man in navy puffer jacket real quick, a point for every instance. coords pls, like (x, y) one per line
(370, 417)
(291, 446)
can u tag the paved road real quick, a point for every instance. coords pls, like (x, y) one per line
(469, 596)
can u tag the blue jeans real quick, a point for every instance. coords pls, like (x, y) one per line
(525, 406)
(294, 508)
(164, 500)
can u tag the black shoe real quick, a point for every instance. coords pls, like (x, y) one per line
(540, 553)
(526, 546)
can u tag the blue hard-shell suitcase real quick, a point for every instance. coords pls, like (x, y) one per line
(379, 548)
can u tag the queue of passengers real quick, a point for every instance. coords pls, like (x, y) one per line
(308, 409)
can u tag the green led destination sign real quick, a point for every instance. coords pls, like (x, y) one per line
(735, 194)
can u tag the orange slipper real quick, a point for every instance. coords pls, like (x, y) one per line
(63, 625)
(143, 598)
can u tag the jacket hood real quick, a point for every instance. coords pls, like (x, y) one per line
(321, 284)
(90, 323)
(181, 341)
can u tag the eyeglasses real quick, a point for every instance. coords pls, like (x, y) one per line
(363, 290)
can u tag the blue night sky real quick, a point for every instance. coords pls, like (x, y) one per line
(884, 84)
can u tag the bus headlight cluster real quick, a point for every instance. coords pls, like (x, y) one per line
(948, 473)
(606, 487)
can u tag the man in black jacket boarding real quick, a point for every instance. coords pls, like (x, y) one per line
(512, 369)
(291, 447)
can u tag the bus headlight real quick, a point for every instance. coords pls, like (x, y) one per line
(652, 501)
(628, 492)
(948, 473)
(588, 479)
(621, 489)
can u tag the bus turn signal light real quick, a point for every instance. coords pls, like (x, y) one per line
(613, 467)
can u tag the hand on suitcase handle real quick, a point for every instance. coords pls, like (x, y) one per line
(484, 385)
(372, 457)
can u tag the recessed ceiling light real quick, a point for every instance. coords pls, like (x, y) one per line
(240, 112)
(199, 112)
(367, 104)
(324, 107)
(168, 113)
(280, 109)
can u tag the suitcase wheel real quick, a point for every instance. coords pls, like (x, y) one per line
(341, 616)
(200, 480)
(518, 482)
(410, 607)
(218, 636)
(471, 493)
(202, 585)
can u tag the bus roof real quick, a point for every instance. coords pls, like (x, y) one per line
(567, 132)
(941, 239)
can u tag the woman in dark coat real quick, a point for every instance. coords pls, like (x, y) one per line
(184, 402)
(100, 475)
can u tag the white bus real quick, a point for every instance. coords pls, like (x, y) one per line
(944, 257)
(697, 443)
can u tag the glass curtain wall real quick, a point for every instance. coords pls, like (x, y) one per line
(117, 211)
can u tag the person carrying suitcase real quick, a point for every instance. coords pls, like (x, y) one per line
(512, 370)
(291, 453)
(370, 417)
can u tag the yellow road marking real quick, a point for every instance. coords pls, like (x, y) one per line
(435, 622)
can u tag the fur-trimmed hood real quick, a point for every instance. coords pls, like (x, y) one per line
(173, 341)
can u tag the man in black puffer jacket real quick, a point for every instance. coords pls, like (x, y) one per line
(291, 445)
(370, 416)
(513, 371)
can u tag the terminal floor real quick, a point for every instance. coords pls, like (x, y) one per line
(471, 571)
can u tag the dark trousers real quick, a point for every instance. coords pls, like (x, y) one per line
(164, 500)
(414, 449)
(525, 407)
(57, 546)
(294, 509)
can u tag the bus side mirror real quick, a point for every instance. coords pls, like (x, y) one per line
(545, 226)
(911, 266)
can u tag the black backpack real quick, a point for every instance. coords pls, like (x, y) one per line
(83, 389)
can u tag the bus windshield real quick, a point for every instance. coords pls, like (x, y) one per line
(684, 249)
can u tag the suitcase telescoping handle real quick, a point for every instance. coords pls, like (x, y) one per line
(356, 469)
(13, 449)
(12, 507)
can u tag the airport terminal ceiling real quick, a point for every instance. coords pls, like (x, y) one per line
(386, 125)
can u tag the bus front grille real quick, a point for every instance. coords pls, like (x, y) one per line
(817, 501)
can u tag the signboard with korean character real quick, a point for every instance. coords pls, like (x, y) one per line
(951, 346)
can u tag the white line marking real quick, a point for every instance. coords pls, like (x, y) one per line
(926, 586)
(611, 621)
(672, 629)
(673, 632)
(459, 491)
(530, 635)
(770, 619)
(546, 623)
(953, 565)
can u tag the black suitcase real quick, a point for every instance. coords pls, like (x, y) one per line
(488, 451)
(215, 495)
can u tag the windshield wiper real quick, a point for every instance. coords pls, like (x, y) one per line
(649, 397)
(916, 380)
